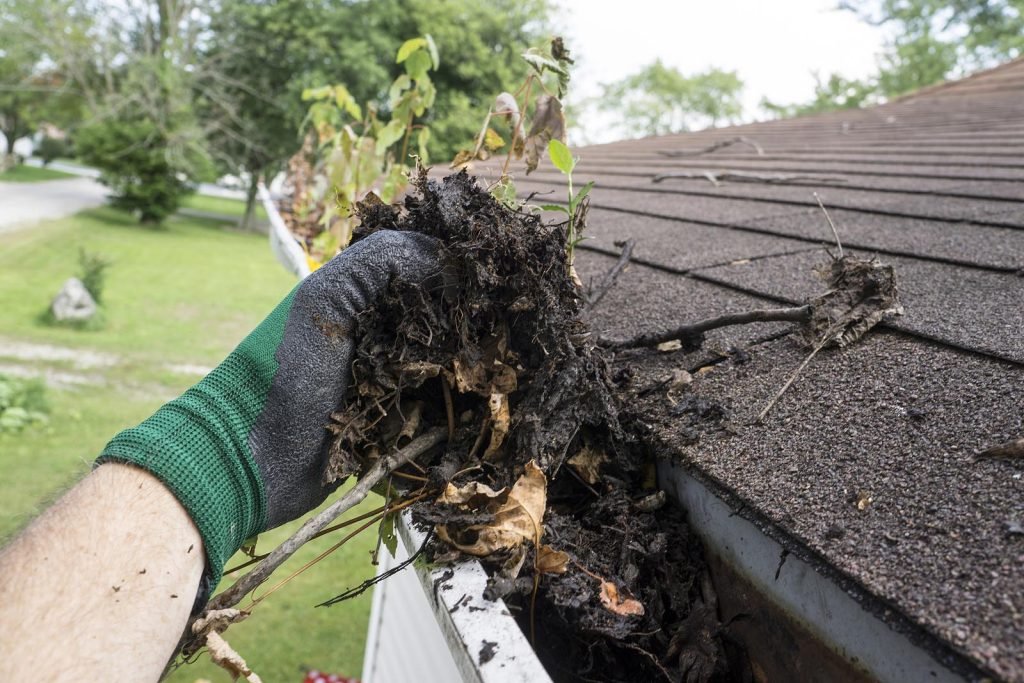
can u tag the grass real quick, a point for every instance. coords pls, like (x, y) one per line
(32, 174)
(222, 205)
(186, 293)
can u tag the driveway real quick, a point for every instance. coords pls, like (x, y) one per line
(22, 204)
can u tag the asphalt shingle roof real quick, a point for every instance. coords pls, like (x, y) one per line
(933, 184)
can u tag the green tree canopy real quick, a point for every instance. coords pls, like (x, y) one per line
(659, 99)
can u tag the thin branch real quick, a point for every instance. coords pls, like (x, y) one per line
(380, 469)
(693, 332)
(792, 378)
(835, 233)
(711, 148)
(745, 177)
(608, 281)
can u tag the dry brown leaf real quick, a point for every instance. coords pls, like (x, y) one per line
(470, 377)
(500, 418)
(462, 157)
(224, 656)
(413, 417)
(517, 519)
(548, 123)
(551, 561)
(864, 500)
(475, 494)
(613, 602)
(217, 620)
(671, 345)
(587, 463)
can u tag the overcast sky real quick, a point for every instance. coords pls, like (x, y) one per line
(774, 45)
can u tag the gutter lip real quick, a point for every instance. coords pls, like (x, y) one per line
(467, 619)
(889, 614)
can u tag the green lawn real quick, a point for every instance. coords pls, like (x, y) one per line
(32, 174)
(187, 294)
(228, 207)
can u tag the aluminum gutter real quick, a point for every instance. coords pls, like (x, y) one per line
(453, 597)
(844, 619)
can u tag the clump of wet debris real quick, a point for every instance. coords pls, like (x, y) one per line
(539, 478)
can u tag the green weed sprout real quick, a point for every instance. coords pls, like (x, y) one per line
(564, 161)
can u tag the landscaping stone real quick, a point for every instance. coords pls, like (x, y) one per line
(73, 302)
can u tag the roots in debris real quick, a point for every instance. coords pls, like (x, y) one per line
(538, 479)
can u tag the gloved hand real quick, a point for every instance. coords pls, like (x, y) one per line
(244, 449)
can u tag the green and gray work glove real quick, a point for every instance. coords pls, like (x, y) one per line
(244, 449)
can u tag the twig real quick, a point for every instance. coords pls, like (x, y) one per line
(694, 331)
(608, 281)
(380, 469)
(714, 147)
(370, 583)
(745, 177)
(832, 225)
(792, 378)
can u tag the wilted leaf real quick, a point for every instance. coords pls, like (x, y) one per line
(500, 418)
(551, 561)
(505, 105)
(548, 124)
(492, 140)
(462, 157)
(516, 520)
(408, 47)
(613, 602)
(561, 157)
(473, 495)
(861, 293)
(224, 656)
(587, 463)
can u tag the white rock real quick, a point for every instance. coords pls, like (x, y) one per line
(73, 302)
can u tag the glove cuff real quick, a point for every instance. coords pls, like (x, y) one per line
(203, 462)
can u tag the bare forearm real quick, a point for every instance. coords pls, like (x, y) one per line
(101, 585)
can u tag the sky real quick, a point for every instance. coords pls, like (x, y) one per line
(774, 45)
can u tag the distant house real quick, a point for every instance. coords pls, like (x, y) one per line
(866, 470)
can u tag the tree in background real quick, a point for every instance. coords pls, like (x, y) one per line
(659, 99)
(929, 41)
(32, 91)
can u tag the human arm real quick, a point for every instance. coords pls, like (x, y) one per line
(242, 451)
(99, 587)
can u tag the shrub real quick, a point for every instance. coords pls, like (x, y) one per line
(22, 403)
(92, 273)
(137, 164)
(51, 148)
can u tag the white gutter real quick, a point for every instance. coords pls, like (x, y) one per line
(282, 242)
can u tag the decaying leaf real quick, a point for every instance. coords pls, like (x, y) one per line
(862, 293)
(224, 656)
(548, 124)
(613, 602)
(474, 495)
(500, 419)
(493, 141)
(462, 157)
(505, 105)
(551, 561)
(864, 500)
(587, 463)
(517, 518)
(217, 621)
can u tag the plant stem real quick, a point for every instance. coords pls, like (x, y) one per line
(519, 123)
(695, 330)
(353, 497)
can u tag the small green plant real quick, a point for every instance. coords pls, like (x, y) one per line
(576, 209)
(92, 273)
(22, 404)
(358, 151)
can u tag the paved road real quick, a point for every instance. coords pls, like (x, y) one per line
(22, 204)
